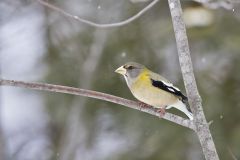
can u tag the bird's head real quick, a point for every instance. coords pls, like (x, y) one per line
(130, 70)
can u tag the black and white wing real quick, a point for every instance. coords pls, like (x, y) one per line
(164, 84)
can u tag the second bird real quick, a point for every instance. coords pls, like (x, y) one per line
(153, 89)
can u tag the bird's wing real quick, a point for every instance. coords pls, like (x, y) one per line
(162, 83)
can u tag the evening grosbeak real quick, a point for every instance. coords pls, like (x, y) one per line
(153, 89)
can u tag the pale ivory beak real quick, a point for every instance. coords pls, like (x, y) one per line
(121, 70)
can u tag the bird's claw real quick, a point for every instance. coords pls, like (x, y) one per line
(161, 111)
(143, 105)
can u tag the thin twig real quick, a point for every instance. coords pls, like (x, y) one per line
(93, 24)
(98, 95)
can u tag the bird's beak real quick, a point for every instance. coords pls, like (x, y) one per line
(121, 70)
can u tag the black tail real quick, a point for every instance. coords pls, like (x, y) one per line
(185, 101)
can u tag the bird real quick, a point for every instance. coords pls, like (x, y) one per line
(153, 89)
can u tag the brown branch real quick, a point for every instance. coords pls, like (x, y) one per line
(98, 95)
(202, 128)
(93, 24)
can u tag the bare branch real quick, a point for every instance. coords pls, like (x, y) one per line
(93, 24)
(98, 95)
(202, 128)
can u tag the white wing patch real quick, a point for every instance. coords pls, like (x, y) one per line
(170, 89)
(170, 85)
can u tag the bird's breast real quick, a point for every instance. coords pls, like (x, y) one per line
(144, 91)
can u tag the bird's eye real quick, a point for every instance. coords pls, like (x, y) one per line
(130, 67)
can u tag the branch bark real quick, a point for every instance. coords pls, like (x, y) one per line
(202, 128)
(98, 95)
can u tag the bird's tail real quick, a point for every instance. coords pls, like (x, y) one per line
(182, 107)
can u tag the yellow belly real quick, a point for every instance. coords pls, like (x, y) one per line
(143, 90)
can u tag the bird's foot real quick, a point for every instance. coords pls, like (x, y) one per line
(161, 111)
(143, 105)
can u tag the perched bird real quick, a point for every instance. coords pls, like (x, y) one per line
(153, 89)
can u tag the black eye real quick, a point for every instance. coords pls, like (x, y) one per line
(130, 67)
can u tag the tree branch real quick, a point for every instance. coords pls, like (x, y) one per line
(98, 95)
(93, 24)
(202, 128)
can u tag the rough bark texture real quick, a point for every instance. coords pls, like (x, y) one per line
(201, 124)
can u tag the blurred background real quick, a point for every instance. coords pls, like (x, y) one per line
(41, 45)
